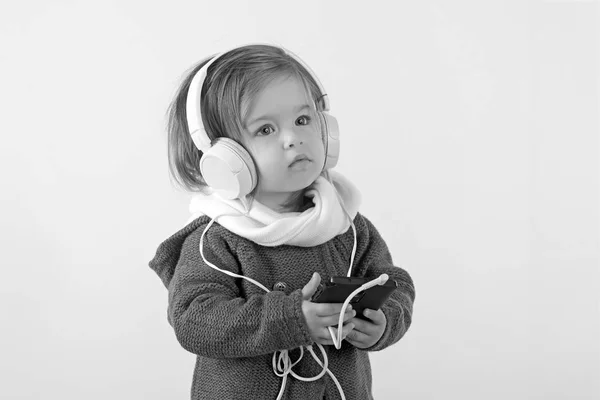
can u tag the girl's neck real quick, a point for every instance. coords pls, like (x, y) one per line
(284, 202)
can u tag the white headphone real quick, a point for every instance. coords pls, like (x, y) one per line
(225, 165)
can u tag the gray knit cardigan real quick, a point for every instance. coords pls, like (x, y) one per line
(234, 327)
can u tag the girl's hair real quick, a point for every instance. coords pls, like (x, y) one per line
(235, 78)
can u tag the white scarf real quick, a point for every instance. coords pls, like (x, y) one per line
(266, 227)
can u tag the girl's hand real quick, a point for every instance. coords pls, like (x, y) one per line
(367, 333)
(320, 316)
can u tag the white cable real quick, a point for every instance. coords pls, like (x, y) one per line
(328, 177)
(377, 281)
(283, 366)
(217, 268)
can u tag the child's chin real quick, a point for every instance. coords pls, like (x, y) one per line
(310, 179)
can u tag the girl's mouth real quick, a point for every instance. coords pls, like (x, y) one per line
(300, 161)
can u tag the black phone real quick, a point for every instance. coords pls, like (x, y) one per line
(340, 287)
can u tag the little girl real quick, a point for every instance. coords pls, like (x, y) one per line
(250, 136)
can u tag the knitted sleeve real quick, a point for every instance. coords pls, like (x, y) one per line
(212, 319)
(373, 259)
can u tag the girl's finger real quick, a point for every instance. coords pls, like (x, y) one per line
(356, 337)
(328, 309)
(333, 320)
(347, 329)
(377, 316)
(325, 335)
(361, 325)
(327, 339)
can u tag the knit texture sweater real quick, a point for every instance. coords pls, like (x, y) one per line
(234, 327)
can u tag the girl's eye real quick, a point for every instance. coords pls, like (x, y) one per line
(303, 120)
(265, 130)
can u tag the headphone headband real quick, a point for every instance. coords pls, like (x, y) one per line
(193, 103)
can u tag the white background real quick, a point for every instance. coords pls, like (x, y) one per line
(471, 128)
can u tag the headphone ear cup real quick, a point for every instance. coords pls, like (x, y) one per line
(228, 168)
(332, 140)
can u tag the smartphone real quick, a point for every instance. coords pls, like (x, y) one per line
(340, 287)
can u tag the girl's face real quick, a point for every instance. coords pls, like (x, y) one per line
(283, 135)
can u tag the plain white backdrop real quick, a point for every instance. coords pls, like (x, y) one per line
(471, 128)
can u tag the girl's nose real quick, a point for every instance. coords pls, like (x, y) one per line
(291, 138)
